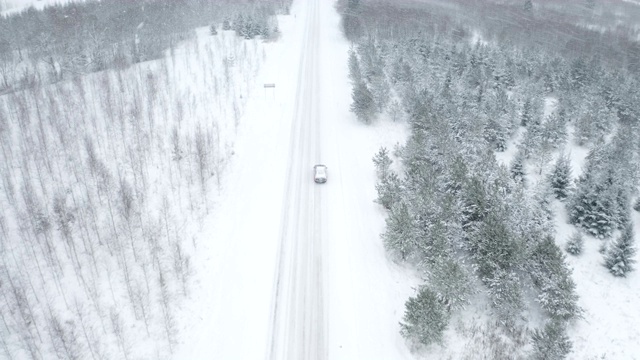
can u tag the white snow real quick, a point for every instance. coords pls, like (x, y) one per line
(609, 329)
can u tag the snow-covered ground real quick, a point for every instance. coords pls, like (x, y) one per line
(290, 269)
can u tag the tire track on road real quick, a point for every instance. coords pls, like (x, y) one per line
(298, 318)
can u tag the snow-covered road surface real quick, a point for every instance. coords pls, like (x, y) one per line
(299, 314)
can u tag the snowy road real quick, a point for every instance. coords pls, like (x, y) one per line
(299, 314)
(289, 269)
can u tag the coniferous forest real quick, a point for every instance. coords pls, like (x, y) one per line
(495, 95)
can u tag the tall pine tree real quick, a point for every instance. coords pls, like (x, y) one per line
(552, 342)
(560, 177)
(425, 318)
(619, 259)
(363, 104)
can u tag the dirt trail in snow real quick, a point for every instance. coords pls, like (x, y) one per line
(298, 315)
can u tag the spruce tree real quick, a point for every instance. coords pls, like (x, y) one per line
(527, 113)
(517, 167)
(619, 258)
(560, 177)
(425, 318)
(398, 235)
(381, 92)
(575, 244)
(355, 74)
(226, 25)
(554, 130)
(238, 25)
(552, 277)
(593, 205)
(213, 30)
(449, 280)
(505, 291)
(250, 28)
(623, 210)
(552, 342)
(382, 161)
(265, 33)
(363, 105)
(389, 190)
(493, 246)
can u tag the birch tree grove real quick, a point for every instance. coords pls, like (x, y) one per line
(106, 170)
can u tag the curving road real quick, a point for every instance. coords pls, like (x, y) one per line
(298, 328)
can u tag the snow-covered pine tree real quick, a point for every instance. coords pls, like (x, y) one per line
(494, 133)
(398, 237)
(623, 210)
(593, 203)
(505, 291)
(552, 278)
(532, 144)
(579, 73)
(554, 130)
(527, 113)
(363, 105)
(381, 91)
(226, 24)
(425, 318)
(575, 244)
(475, 203)
(213, 30)
(382, 161)
(250, 28)
(594, 120)
(355, 74)
(528, 6)
(389, 190)
(351, 20)
(593, 211)
(552, 342)
(619, 258)
(264, 30)
(517, 167)
(493, 246)
(450, 281)
(239, 25)
(395, 111)
(560, 177)
(542, 196)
